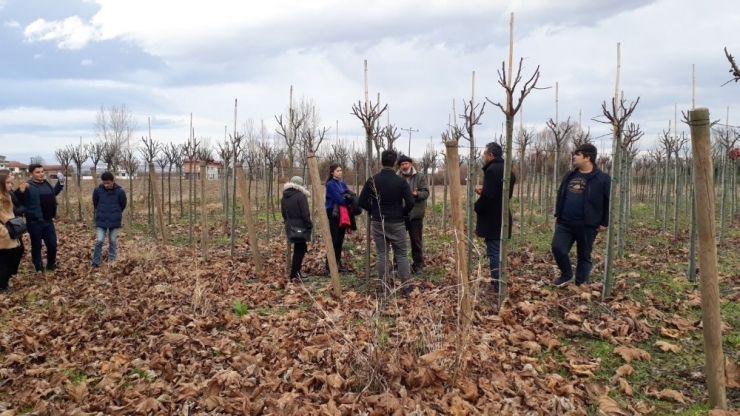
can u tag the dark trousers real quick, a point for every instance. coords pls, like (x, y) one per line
(337, 238)
(9, 259)
(562, 242)
(299, 250)
(415, 228)
(43, 231)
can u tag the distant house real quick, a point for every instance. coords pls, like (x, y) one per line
(122, 171)
(193, 167)
(52, 170)
(3, 162)
(17, 168)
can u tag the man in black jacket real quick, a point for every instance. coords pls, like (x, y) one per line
(388, 198)
(581, 211)
(490, 206)
(38, 197)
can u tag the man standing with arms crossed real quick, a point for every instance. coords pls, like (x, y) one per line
(581, 211)
(39, 199)
(387, 197)
(415, 221)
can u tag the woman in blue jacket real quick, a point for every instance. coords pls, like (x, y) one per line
(334, 188)
(109, 201)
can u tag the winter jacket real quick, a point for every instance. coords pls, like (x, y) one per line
(36, 209)
(6, 214)
(598, 188)
(294, 208)
(387, 197)
(109, 205)
(334, 189)
(489, 206)
(18, 209)
(417, 182)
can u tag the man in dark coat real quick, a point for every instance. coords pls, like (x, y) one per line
(581, 211)
(38, 197)
(490, 205)
(388, 198)
(296, 213)
(109, 201)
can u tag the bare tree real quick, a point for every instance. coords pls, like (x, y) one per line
(131, 166)
(617, 116)
(115, 125)
(36, 160)
(510, 84)
(79, 156)
(734, 70)
(64, 157)
(149, 150)
(561, 133)
(112, 156)
(390, 134)
(524, 139)
(289, 128)
(95, 151)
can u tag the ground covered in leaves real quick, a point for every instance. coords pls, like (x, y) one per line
(164, 331)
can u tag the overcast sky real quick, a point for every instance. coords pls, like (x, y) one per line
(63, 59)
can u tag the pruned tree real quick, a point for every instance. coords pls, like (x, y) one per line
(632, 134)
(581, 137)
(149, 150)
(523, 139)
(561, 134)
(36, 160)
(617, 116)
(390, 135)
(191, 151)
(734, 70)
(162, 159)
(131, 166)
(64, 157)
(79, 156)
(668, 142)
(112, 156)
(171, 153)
(510, 84)
(95, 151)
(225, 152)
(472, 112)
(290, 127)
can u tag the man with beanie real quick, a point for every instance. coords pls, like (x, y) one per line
(490, 206)
(387, 197)
(581, 211)
(39, 199)
(415, 221)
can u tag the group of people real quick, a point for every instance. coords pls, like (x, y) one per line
(396, 201)
(35, 200)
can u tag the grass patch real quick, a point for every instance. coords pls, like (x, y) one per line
(239, 308)
(75, 377)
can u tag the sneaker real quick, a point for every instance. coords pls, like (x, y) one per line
(582, 283)
(561, 281)
(299, 278)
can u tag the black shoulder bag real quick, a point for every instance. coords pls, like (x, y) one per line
(16, 227)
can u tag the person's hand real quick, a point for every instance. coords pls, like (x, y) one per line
(601, 228)
(478, 189)
(415, 193)
(23, 186)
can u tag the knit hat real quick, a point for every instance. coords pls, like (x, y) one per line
(297, 180)
(495, 149)
(405, 158)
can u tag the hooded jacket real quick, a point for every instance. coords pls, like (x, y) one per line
(596, 202)
(417, 182)
(36, 209)
(294, 208)
(109, 205)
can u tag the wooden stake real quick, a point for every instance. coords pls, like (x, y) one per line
(368, 160)
(247, 204)
(701, 148)
(203, 209)
(158, 203)
(319, 195)
(466, 303)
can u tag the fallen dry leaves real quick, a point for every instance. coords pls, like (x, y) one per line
(155, 333)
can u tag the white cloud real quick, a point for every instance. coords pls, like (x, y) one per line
(70, 33)
(86, 62)
(10, 23)
(38, 56)
(2, 4)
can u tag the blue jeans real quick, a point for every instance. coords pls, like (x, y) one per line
(112, 244)
(44, 231)
(493, 251)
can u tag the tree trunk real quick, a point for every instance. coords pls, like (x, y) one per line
(247, 204)
(203, 211)
(159, 208)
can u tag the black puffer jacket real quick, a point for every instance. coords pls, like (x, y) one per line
(294, 208)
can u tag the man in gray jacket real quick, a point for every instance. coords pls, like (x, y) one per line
(415, 221)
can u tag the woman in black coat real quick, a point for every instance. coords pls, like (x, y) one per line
(295, 211)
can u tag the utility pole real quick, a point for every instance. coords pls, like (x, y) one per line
(410, 130)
